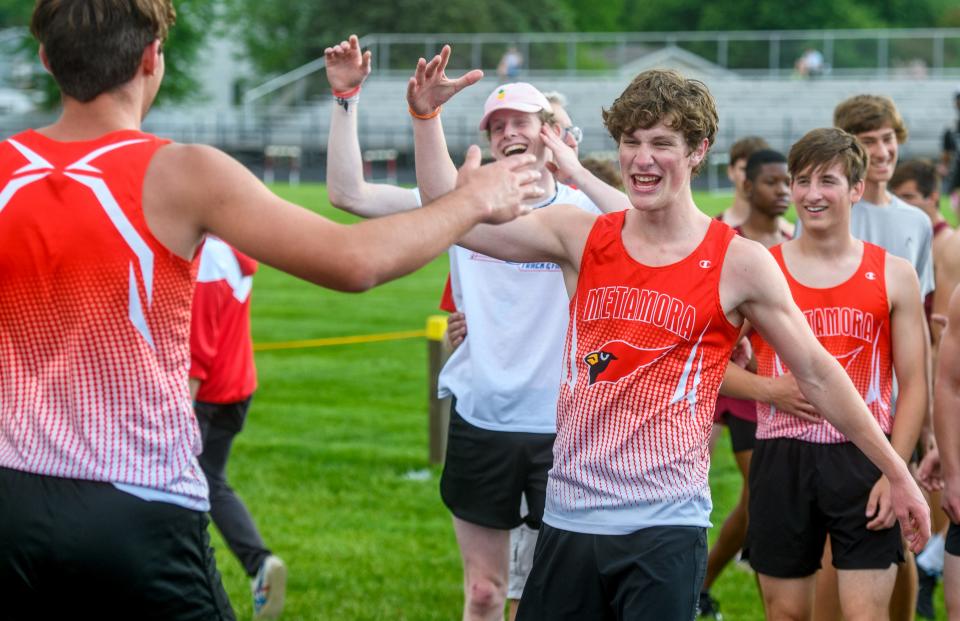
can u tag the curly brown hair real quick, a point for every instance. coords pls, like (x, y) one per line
(683, 104)
(820, 149)
(94, 46)
(866, 113)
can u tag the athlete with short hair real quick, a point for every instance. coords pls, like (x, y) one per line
(100, 225)
(904, 231)
(740, 152)
(807, 480)
(658, 295)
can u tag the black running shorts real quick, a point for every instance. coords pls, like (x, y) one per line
(84, 548)
(743, 433)
(486, 472)
(953, 540)
(799, 493)
(653, 574)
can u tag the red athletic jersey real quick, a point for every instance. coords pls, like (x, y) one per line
(221, 348)
(645, 354)
(94, 319)
(447, 302)
(852, 322)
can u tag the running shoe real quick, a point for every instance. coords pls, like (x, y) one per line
(269, 588)
(708, 608)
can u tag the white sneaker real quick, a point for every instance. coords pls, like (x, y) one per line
(269, 588)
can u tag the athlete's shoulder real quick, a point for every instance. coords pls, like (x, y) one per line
(898, 268)
(189, 159)
(750, 270)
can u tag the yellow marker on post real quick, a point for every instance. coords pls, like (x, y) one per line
(436, 327)
(437, 413)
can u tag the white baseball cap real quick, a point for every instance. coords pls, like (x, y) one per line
(514, 96)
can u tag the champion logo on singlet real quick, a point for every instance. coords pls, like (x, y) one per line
(83, 172)
(870, 276)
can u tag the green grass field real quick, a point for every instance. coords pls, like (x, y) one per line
(333, 460)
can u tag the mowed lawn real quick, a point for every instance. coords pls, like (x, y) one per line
(333, 460)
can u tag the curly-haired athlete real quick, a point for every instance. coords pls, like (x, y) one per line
(658, 295)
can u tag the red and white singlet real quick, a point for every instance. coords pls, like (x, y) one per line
(645, 355)
(94, 320)
(221, 348)
(852, 322)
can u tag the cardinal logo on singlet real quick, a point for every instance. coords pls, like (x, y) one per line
(616, 360)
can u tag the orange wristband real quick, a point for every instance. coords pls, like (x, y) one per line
(424, 117)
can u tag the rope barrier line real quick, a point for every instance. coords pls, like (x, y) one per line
(434, 331)
(341, 340)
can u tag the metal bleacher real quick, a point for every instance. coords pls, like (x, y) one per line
(751, 75)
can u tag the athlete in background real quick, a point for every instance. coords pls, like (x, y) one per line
(807, 480)
(766, 187)
(223, 378)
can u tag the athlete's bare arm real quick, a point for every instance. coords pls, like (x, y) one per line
(907, 343)
(428, 89)
(568, 166)
(190, 190)
(558, 234)
(347, 68)
(946, 409)
(752, 286)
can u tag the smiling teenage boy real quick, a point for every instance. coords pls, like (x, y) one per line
(658, 295)
(807, 480)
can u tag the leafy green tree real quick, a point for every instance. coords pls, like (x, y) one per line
(283, 34)
(195, 19)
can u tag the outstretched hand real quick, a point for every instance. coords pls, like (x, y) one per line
(347, 67)
(504, 185)
(430, 87)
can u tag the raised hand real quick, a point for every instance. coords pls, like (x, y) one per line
(347, 66)
(565, 164)
(430, 87)
(503, 186)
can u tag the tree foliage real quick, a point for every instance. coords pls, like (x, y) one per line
(195, 19)
(283, 34)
